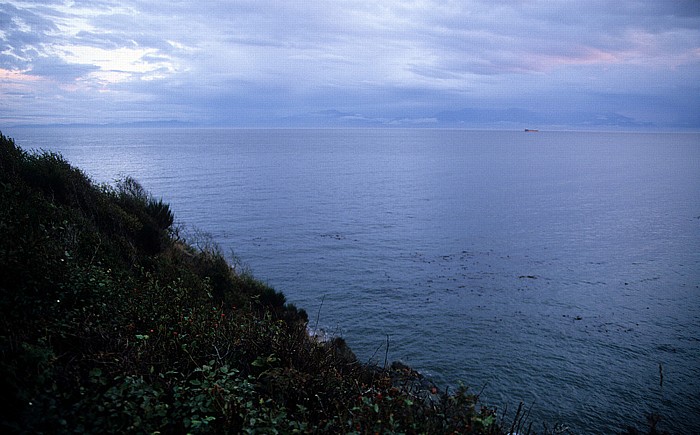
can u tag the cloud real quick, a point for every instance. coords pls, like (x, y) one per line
(59, 70)
(258, 61)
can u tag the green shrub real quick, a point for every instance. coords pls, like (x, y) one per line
(160, 213)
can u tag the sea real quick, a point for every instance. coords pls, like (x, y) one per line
(556, 269)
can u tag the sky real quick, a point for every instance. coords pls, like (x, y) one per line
(619, 64)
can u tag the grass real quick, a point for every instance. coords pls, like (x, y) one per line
(113, 322)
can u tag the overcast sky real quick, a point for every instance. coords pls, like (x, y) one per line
(477, 64)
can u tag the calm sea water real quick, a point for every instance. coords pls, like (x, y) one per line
(557, 269)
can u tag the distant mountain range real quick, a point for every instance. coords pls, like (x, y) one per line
(473, 118)
(135, 124)
(510, 118)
